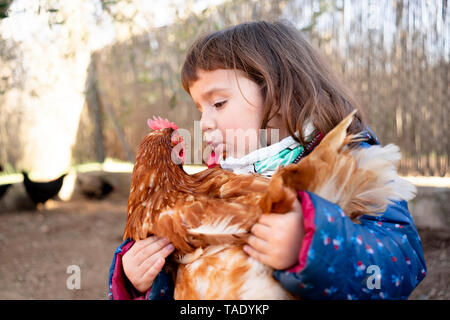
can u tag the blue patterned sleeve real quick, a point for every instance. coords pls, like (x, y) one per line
(380, 258)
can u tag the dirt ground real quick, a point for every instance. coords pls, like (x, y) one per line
(36, 248)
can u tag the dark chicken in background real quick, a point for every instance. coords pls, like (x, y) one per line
(95, 187)
(3, 187)
(40, 192)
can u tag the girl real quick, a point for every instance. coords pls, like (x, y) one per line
(262, 75)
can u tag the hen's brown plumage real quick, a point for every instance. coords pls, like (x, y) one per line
(208, 215)
(160, 188)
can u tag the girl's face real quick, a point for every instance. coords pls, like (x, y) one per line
(232, 111)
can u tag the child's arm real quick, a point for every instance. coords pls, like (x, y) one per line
(145, 273)
(380, 258)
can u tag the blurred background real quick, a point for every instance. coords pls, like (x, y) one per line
(78, 79)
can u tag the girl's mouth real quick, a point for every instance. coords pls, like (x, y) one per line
(214, 157)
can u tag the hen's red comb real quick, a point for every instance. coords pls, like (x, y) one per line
(159, 124)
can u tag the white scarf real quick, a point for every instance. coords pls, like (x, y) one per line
(246, 164)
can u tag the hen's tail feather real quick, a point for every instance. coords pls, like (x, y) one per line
(366, 184)
(353, 138)
(384, 161)
(337, 137)
(378, 183)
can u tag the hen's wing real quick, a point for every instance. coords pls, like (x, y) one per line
(240, 185)
(208, 221)
(224, 184)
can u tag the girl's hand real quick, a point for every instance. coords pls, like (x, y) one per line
(144, 260)
(277, 238)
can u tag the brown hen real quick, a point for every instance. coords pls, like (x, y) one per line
(208, 215)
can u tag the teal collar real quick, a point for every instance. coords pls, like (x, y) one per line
(267, 160)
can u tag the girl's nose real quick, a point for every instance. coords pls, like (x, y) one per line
(207, 122)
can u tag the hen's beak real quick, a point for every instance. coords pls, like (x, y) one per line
(175, 139)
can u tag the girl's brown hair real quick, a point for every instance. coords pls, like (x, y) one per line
(293, 77)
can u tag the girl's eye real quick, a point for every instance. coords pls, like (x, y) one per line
(220, 104)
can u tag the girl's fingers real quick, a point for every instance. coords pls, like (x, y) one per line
(141, 244)
(150, 250)
(261, 231)
(257, 243)
(268, 219)
(153, 271)
(261, 257)
(163, 253)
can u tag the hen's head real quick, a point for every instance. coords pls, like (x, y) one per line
(166, 134)
(157, 170)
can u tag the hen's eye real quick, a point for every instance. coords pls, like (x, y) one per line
(220, 104)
